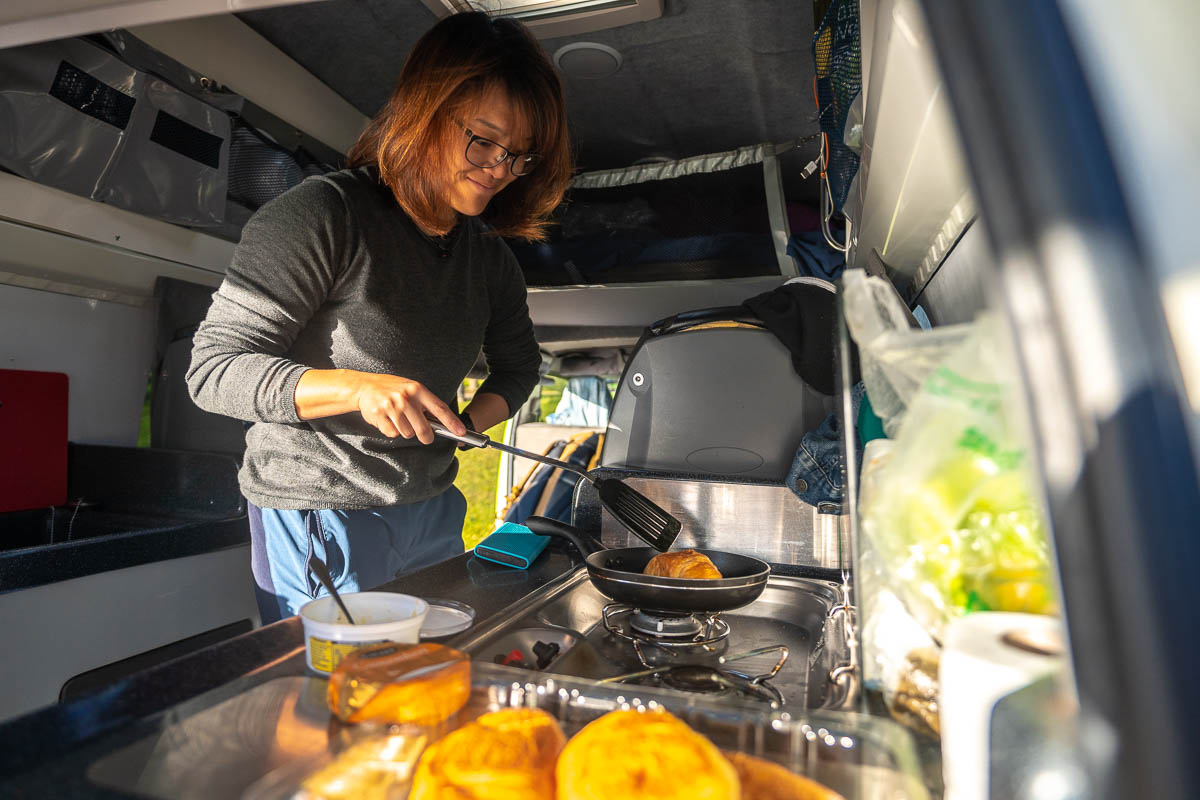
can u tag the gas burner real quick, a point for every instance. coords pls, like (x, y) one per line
(663, 628)
(694, 678)
(706, 679)
(669, 627)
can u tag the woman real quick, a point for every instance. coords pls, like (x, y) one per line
(357, 302)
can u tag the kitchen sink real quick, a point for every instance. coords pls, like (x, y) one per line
(60, 524)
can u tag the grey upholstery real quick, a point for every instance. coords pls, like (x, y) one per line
(711, 401)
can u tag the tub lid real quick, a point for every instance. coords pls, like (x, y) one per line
(446, 617)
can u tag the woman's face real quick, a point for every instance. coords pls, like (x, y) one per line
(494, 118)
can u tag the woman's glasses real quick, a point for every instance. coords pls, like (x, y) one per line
(485, 153)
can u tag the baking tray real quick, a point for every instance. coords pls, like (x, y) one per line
(260, 743)
(862, 757)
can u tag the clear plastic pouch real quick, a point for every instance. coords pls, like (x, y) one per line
(896, 359)
(952, 516)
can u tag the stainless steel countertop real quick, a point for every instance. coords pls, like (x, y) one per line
(47, 753)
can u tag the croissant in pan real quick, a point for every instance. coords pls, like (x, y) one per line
(682, 564)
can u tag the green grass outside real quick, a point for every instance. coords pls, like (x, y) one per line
(478, 470)
(550, 397)
(144, 425)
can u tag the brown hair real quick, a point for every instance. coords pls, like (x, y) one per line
(453, 65)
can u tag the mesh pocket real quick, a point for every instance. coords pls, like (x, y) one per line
(90, 96)
(837, 60)
(260, 171)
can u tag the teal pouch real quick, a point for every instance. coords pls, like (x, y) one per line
(512, 545)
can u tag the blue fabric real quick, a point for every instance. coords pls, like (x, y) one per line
(585, 401)
(816, 473)
(814, 257)
(749, 248)
(363, 548)
(559, 504)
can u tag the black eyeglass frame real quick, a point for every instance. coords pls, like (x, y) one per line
(508, 156)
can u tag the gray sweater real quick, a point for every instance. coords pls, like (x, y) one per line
(333, 274)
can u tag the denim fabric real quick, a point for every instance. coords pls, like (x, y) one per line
(816, 473)
(362, 548)
(814, 256)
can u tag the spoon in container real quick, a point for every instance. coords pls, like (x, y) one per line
(322, 572)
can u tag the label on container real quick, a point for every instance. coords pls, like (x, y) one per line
(326, 655)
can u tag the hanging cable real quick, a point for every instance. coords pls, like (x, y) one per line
(827, 203)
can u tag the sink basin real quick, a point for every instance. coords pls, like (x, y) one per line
(128, 489)
(48, 526)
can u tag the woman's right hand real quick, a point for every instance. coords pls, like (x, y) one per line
(394, 405)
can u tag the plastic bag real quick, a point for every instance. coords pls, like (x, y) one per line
(952, 516)
(897, 650)
(896, 359)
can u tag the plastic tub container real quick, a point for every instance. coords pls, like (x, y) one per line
(381, 617)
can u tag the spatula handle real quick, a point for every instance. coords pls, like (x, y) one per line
(480, 440)
(470, 438)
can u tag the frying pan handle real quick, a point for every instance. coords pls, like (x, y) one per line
(552, 527)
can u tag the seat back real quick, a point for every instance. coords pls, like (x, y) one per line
(719, 397)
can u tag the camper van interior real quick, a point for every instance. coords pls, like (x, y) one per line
(894, 304)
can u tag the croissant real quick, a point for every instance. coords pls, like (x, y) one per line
(422, 684)
(504, 755)
(682, 564)
(648, 755)
(764, 780)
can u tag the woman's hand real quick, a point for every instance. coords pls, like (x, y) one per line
(399, 407)
(396, 406)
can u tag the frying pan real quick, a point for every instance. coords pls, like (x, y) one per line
(617, 574)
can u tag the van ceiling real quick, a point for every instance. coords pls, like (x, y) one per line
(709, 76)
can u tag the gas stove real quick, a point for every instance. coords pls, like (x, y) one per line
(784, 650)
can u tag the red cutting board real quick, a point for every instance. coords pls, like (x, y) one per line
(33, 439)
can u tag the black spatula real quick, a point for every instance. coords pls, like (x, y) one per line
(645, 519)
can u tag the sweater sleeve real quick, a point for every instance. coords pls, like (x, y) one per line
(509, 346)
(289, 256)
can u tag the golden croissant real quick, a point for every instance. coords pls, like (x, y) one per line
(764, 780)
(504, 755)
(636, 755)
(682, 564)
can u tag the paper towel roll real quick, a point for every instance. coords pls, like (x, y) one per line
(986, 656)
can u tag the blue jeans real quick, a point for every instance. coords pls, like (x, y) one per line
(816, 473)
(363, 549)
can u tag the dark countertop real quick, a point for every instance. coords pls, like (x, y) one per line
(37, 566)
(128, 506)
(47, 753)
